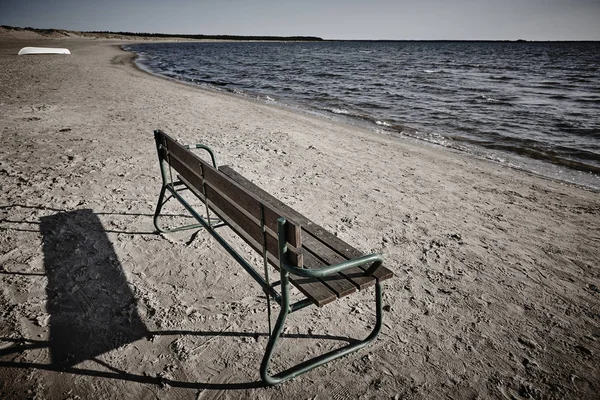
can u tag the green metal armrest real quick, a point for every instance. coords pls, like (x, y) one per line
(203, 147)
(374, 258)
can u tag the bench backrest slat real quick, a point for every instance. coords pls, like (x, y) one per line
(191, 176)
(250, 203)
(233, 203)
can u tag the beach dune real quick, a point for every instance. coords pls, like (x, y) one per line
(496, 288)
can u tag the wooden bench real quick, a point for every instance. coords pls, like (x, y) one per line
(319, 264)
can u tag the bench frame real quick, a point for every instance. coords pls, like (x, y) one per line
(285, 269)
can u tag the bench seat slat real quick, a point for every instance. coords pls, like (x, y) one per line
(337, 282)
(314, 290)
(330, 257)
(382, 273)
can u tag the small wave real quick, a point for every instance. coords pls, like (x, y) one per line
(430, 137)
(383, 123)
(327, 75)
(339, 111)
(589, 100)
(433, 71)
(549, 85)
(490, 99)
(212, 82)
(579, 79)
(502, 78)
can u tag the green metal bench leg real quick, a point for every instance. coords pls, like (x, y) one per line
(317, 361)
(171, 186)
(159, 206)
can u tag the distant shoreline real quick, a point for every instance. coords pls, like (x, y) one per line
(144, 35)
(57, 33)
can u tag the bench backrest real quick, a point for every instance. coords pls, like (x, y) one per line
(239, 208)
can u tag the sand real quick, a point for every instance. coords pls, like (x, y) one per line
(496, 293)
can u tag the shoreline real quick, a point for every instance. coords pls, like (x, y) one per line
(495, 292)
(554, 168)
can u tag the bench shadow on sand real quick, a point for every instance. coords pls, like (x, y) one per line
(92, 308)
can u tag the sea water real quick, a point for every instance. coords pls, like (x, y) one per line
(530, 105)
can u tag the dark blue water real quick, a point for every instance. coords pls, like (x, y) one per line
(531, 105)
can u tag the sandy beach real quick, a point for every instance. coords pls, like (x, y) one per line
(496, 291)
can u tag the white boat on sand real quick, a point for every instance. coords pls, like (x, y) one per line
(43, 50)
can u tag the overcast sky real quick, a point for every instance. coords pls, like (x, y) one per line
(329, 19)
